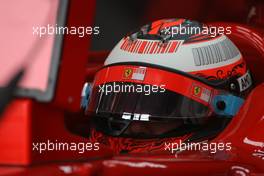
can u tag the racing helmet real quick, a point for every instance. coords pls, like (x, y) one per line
(169, 78)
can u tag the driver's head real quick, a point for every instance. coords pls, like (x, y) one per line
(171, 78)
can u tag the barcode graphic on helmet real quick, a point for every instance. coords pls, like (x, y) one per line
(215, 53)
(150, 47)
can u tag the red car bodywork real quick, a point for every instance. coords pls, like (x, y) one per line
(26, 121)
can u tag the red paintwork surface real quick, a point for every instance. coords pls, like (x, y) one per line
(26, 122)
(74, 56)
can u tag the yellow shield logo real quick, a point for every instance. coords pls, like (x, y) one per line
(128, 72)
(196, 90)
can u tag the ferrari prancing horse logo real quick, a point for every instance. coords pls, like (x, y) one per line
(201, 92)
(137, 73)
(128, 72)
(196, 90)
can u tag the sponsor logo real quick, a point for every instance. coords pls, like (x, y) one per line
(197, 90)
(201, 92)
(128, 72)
(150, 46)
(136, 117)
(135, 73)
(244, 81)
(215, 53)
